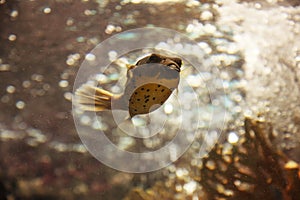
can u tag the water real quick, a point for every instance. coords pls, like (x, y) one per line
(255, 46)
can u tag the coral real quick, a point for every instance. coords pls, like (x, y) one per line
(250, 169)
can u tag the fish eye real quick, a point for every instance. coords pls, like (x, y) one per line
(154, 58)
(178, 61)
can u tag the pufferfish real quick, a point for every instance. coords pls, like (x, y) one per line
(149, 84)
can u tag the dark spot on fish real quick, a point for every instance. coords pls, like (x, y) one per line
(153, 98)
(162, 90)
(144, 106)
(161, 102)
(135, 93)
(138, 99)
(148, 90)
(143, 88)
(155, 90)
(146, 100)
(158, 85)
(135, 110)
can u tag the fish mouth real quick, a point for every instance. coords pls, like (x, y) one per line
(174, 66)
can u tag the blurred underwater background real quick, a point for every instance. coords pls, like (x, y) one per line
(255, 47)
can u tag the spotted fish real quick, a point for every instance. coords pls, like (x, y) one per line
(149, 84)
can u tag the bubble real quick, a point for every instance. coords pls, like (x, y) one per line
(59, 146)
(215, 102)
(172, 168)
(64, 75)
(96, 125)
(88, 12)
(93, 41)
(195, 198)
(4, 67)
(211, 165)
(76, 56)
(206, 15)
(168, 108)
(112, 55)
(70, 22)
(205, 47)
(291, 165)
(63, 83)
(79, 148)
(41, 92)
(20, 104)
(80, 39)
(47, 10)
(190, 187)
(22, 125)
(136, 1)
(116, 89)
(14, 13)
(118, 7)
(190, 28)
(125, 142)
(12, 37)
(68, 96)
(5, 99)
(194, 80)
(237, 109)
(209, 28)
(86, 120)
(73, 58)
(37, 135)
(152, 143)
(118, 29)
(70, 61)
(8, 134)
(90, 57)
(37, 77)
(109, 29)
(101, 78)
(181, 172)
(137, 121)
(11, 89)
(114, 76)
(237, 98)
(26, 84)
(178, 188)
(233, 138)
(192, 3)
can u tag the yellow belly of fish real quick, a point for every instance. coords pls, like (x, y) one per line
(148, 98)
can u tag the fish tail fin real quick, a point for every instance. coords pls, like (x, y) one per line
(91, 98)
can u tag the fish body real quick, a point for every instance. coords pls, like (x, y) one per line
(149, 84)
